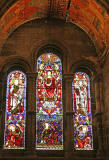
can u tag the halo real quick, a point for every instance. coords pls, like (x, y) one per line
(11, 126)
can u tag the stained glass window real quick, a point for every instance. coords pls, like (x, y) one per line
(83, 138)
(49, 112)
(14, 136)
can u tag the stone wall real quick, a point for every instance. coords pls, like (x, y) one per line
(21, 49)
(106, 106)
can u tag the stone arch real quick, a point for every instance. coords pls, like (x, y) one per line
(15, 62)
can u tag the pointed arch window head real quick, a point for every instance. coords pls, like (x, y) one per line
(14, 136)
(83, 138)
(49, 111)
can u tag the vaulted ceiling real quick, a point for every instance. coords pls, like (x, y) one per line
(90, 15)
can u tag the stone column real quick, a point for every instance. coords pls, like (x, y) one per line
(31, 113)
(98, 115)
(68, 118)
(1, 112)
(3, 89)
(101, 95)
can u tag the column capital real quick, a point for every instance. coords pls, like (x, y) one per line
(98, 115)
(1, 77)
(68, 76)
(68, 113)
(32, 75)
(98, 77)
(31, 112)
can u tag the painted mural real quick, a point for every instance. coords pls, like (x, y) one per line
(88, 14)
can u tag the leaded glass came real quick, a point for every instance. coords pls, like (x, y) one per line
(14, 135)
(83, 138)
(49, 112)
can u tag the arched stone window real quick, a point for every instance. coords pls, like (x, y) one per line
(15, 114)
(49, 111)
(83, 137)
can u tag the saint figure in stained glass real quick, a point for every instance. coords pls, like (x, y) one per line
(49, 120)
(82, 112)
(14, 136)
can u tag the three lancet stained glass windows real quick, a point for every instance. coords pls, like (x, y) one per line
(49, 108)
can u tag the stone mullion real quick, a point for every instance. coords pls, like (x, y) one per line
(99, 134)
(101, 112)
(68, 116)
(1, 96)
(31, 112)
(101, 95)
(98, 115)
(97, 97)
